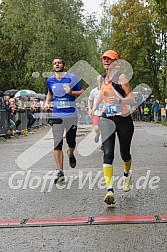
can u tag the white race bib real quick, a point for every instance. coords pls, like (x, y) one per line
(113, 109)
(63, 103)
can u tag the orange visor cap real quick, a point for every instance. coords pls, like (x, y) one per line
(110, 54)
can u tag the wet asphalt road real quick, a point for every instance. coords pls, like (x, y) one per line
(23, 197)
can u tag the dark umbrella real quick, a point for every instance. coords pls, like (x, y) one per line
(10, 92)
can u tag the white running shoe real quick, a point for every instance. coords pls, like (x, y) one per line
(127, 182)
(109, 198)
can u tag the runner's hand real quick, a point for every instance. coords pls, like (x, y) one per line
(67, 90)
(46, 106)
(92, 111)
(113, 100)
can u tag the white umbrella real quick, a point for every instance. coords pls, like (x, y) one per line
(25, 92)
(40, 96)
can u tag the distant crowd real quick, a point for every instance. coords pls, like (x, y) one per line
(151, 111)
(33, 106)
(148, 111)
(16, 111)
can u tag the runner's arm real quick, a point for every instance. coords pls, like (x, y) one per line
(75, 93)
(49, 98)
(90, 105)
(96, 104)
(129, 99)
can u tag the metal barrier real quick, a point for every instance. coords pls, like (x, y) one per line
(4, 122)
(20, 121)
(23, 119)
(41, 119)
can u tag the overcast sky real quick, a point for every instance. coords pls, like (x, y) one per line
(92, 6)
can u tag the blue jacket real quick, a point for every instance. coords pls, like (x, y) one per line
(155, 106)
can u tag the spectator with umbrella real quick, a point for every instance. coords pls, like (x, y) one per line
(11, 92)
(25, 92)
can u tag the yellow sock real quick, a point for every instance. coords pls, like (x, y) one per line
(127, 166)
(108, 175)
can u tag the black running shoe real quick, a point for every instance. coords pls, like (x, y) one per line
(59, 177)
(72, 160)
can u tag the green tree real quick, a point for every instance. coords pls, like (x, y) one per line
(134, 37)
(159, 20)
(33, 32)
(17, 34)
(106, 26)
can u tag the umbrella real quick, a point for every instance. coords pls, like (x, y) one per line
(25, 92)
(11, 92)
(40, 96)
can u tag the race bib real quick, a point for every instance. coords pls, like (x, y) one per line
(113, 109)
(62, 103)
